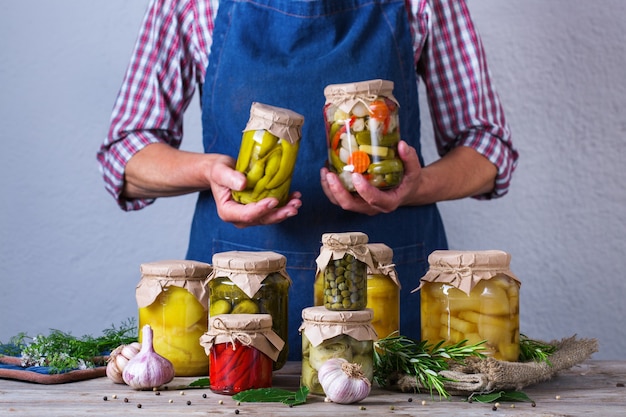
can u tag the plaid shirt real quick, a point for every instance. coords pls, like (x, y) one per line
(172, 52)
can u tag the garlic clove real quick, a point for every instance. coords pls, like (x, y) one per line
(118, 359)
(343, 382)
(147, 369)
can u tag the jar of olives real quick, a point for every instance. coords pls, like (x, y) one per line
(383, 290)
(172, 298)
(472, 296)
(268, 153)
(248, 282)
(335, 334)
(241, 349)
(362, 131)
(343, 261)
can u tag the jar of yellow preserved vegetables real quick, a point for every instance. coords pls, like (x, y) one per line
(362, 131)
(472, 296)
(383, 291)
(249, 282)
(343, 261)
(330, 334)
(172, 298)
(268, 153)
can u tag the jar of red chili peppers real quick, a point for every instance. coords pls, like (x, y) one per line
(335, 334)
(242, 349)
(362, 131)
(172, 297)
(249, 282)
(343, 262)
(268, 153)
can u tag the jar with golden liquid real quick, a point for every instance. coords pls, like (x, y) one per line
(383, 291)
(172, 297)
(252, 282)
(472, 296)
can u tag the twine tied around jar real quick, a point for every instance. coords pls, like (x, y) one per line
(234, 335)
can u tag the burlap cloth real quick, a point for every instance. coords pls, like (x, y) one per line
(477, 375)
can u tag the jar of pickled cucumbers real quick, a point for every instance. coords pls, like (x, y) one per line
(172, 298)
(241, 349)
(268, 153)
(248, 282)
(343, 261)
(362, 131)
(335, 334)
(472, 296)
(383, 291)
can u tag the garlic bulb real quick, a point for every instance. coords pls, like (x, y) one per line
(147, 369)
(118, 359)
(343, 382)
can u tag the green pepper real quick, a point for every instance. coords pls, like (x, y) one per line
(287, 163)
(245, 151)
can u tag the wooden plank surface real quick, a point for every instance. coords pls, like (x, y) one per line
(595, 388)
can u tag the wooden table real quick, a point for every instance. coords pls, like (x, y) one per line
(595, 388)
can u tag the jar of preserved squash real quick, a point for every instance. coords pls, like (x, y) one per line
(362, 131)
(172, 298)
(335, 334)
(383, 291)
(241, 349)
(343, 261)
(472, 296)
(268, 153)
(249, 282)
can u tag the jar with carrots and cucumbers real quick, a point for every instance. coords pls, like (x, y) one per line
(362, 131)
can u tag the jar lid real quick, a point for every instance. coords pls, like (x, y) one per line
(321, 324)
(346, 238)
(464, 269)
(382, 256)
(284, 123)
(336, 245)
(346, 96)
(249, 261)
(176, 269)
(248, 329)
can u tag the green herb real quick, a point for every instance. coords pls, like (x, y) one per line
(533, 350)
(200, 383)
(273, 395)
(511, 396)
(400, 354)
(62, 352)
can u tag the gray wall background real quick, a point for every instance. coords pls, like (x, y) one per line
(69, 258)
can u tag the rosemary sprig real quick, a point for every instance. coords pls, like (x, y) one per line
(533, 350)
(400, 354)
(61, 351)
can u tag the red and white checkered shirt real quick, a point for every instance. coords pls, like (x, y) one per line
(172, 52)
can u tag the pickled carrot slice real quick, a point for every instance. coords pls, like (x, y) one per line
(360, 160)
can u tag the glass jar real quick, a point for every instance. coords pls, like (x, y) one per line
(383, 291)
(248, 282)
(241, 349)
(362, 132)
(333, 334)
(343, 260)
(472, 296)
(172, 298)
(268, 153)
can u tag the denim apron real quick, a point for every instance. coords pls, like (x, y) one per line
(283, 53)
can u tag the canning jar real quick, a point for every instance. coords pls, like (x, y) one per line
(241, 350)
(383, 291)
(472, 296)
(249, 282)
(268, 153)
(362, 132)
(343, 261)
(335, 334)
(172, 298)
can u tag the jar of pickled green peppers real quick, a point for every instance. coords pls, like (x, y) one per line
(471, 296)
(343, 262)
(268, 153)
(172, 297)
(335, 334)
(362, 131)
(383, 291)
(241, 349)
(249, 282)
